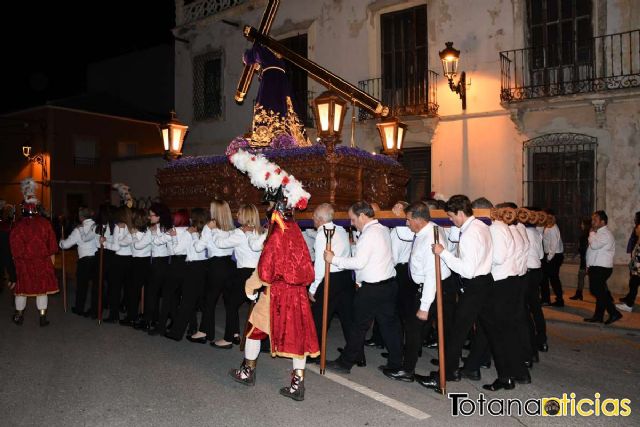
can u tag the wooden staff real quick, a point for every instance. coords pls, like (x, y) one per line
(64, 276)
(100, 280)
(328, 233)
(443, 377)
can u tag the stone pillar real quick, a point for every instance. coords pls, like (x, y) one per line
(602, 162)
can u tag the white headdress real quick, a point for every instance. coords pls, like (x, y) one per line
(28, 187)
(125, 196)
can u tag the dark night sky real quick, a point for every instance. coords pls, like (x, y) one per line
(47, 45)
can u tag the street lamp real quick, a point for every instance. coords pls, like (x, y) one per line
(173, 134)
(450, 57)
(38, 158)
(392, 133)
(329, 110)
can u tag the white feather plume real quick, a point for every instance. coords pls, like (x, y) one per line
(28, 188)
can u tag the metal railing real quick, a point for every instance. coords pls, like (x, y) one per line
(581, 66)
(407, 98)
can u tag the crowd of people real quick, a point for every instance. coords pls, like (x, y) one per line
(164, 272)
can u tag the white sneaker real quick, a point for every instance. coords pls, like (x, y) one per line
(624, 307)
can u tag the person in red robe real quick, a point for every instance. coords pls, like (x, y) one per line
(33, 245)
(283, 312)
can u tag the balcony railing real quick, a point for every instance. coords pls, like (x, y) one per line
(191, 11)
(590, 65)
(408, 98)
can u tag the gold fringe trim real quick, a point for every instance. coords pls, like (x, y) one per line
(37, 295)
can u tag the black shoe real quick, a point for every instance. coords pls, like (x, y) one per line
(90, 313)
(454, 377)
(593, 319)
(544, 347)
(362, 362)
(338, 366)
(154, 330)
(201, 340)
(430, 344)
(526, 379)
(528, 364)
(314, 360)
(111, 320)
(482, 365)
(471, 375)
(545, 303)
(399, 374)
(340, 349)
(613, 318)
(384, 354)
(576, 297)
(435, 361)
(371, 343)
(141, 325)
(236, 340)
(171, 337)
(76, 311)
(428, 381)
(499, 384)
(126, 322)
(557, 303)
(536, 357)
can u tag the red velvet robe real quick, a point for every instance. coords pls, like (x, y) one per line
(285, 263)
(32, 243)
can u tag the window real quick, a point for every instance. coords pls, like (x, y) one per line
(418, 162)
(404, 56)
(560, 174)
(207, 86)
(299, 84)
(560, 35)
(85, 150)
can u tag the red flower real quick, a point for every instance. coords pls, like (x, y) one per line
(285, 180)
(278, 170)
(302, 204)
(253, 158)
(267, 175)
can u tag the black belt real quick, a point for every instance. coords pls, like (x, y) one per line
(382, 282)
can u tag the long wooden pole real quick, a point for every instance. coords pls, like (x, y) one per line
(443, 377)
(64, 276)
(328, 232)
(100, 282)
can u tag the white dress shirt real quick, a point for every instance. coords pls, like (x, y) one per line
(503, 261)
(453, 237)
(159, 243)
(256, 241)
(535, 252)
(401, 240)
(108, 236)
(122, 241)
(196, 252)
(207, 241)
(339, 246)
(181, 241)
(475, 250)
(422, 265)
(552, 242)
(309, 236)
(141, 244)
(238, 240)
(373, 260)
(602, 248)
(522, 261)
(84, 236)
(519, 255)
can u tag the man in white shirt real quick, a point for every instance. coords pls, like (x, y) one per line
(602, 247)
(416, 302)
(376, 298)
(552, 261)
(474, 267)
(537, 323)
(84, 236)
(341, 286)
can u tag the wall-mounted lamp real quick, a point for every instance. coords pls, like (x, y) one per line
(392, 133)
(38, 158)
(173, 134)
(450, 57)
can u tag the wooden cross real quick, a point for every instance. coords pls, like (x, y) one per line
(315, 71)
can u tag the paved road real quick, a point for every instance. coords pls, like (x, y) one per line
(75, 373)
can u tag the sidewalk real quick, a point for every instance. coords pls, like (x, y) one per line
(576, 311)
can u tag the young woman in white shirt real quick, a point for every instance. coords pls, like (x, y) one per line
(122, 261)
(141, 265)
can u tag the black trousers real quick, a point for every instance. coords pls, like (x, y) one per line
(119, 278)
(193, 290)
(551, 271)
(375, 301)
(470, 301)
(107, 274)
(234, 297)
(171, 290)
(86, 272)
(630, 298)
(140, 277)
(535, 316)
(341, 293)
(220, 272)
(522, 319)
(598, 277)
(159, 275)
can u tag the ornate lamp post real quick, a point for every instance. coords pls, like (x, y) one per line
(392, 133)
(450, 57)
(329, 110)
(173, 134)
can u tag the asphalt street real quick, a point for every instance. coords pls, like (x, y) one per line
(76, 373)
